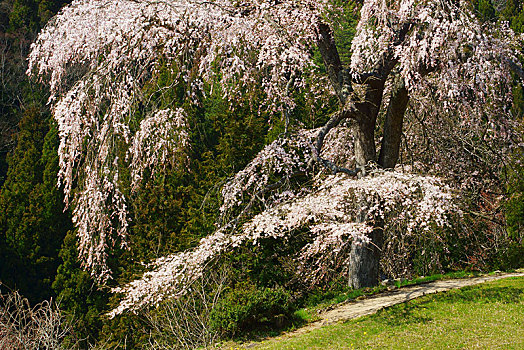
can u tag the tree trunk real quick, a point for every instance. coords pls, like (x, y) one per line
(389, 151)
(364, 133)
(364, 260)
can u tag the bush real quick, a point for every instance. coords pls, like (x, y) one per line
(512, 257)
(247, 307)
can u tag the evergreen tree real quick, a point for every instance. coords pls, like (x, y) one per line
(514, 13)
(20, 21)
(78, 295)
(32, 221)
(485, 9)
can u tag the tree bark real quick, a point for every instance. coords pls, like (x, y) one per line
(364, 260)
(389, 150)
(364, 133)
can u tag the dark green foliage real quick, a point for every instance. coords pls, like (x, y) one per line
(124, 332)
(263, 290)
(158, 216)
(178, 205)
(78, 295)
(246, 307)
(511, 257)
(485, 9)
(20, 21)
(32, 221)
(48, 8)
(515, 204)
(345, 16)
(514, 13)
(30, 15)
(24, 14)
(269, 263)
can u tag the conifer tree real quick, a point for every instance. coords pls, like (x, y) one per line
(32, 222)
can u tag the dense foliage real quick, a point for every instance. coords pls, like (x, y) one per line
(32, 221)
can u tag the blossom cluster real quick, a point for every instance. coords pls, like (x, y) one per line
(451, 62)
(98, 55)
(128, 38)
(153, 145)
(100, 215)
(339, 210)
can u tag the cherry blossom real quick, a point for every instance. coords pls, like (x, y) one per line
(338, 211)
(431, 57)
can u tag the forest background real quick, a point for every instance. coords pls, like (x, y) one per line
(173, 211)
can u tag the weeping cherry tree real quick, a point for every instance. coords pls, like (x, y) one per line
(431, 58)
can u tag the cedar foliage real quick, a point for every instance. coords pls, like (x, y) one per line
(32, 221)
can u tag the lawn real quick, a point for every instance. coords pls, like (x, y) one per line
(487, 316)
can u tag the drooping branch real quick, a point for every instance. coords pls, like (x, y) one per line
(330, 214)
(349, 111)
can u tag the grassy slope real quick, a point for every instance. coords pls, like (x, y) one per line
(330, 299)
(488, 316)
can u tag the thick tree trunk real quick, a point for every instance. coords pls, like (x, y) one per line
(364, 133)
(389, 151)
(364, 260)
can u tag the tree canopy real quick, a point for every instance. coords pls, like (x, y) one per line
(433, 60)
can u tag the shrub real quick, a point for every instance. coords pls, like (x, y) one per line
(246, 307)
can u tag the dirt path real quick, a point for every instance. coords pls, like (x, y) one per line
(371, 305)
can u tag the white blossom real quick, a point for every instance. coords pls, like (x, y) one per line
(332, 212)
(99, 54)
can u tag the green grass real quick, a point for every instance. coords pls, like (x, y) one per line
(321, 301)
(487, 316)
